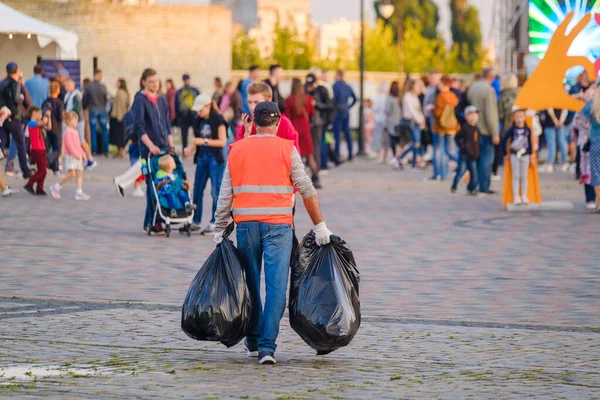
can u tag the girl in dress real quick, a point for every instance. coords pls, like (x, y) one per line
(74, 156)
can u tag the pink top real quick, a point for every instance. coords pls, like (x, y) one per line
(286, 131)
(71, 143)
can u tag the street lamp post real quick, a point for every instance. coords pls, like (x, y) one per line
(361, 117)
(386, 9)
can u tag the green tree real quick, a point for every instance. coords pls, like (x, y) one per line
(421, 54)
(244, 52)
(292, 50)
(467, 52)
(423, 12)
(381, 51)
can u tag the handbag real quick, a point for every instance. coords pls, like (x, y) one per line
(587, 146)
(406, 124)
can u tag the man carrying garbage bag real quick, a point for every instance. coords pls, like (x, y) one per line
(258, 190)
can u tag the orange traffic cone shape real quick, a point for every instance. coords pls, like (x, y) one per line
(534, 193)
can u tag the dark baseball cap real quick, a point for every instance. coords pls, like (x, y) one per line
(11, 67)
(266, 113)
(311, 78)
(186, 77)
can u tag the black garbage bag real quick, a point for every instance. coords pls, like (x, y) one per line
(217, 307)
(324, 298)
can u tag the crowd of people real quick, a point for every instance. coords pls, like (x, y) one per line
(456, 126)
(474, 125)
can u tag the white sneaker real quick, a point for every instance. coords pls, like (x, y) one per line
(518, 201)
(395, 163)
(138, 192)
(496, 178)
(55, 192)
(573, 168)
(590, 206)
(323, 172)
(81, 196)
(525, 200)
(564, 167)
(548, 168)
(209, 230)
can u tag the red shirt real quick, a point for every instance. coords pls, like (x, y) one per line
(36, 137)
(286, 131)
(153, 99)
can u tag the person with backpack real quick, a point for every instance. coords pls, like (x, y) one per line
(12, 97)
(445, 127)
(184, 101)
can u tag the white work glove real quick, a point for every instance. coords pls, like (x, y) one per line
(219, 237)
(322, 234)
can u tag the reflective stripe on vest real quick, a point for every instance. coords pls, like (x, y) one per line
(263, 191)
(263, 211)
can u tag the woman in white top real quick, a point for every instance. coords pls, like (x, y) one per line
(380, 143)
(413, 118)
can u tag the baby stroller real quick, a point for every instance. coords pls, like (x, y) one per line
(162, 212)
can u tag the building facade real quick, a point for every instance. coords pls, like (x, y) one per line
(128, 37)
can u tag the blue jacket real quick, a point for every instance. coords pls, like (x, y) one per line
(342, 93)
(595, 131)
(38, 87)
(151, 119)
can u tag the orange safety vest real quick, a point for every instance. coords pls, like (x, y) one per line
(260, 169)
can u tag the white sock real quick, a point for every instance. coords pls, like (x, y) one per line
(78, 191)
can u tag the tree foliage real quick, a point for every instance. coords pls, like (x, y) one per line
(423, 47)
(244, 52)
(425, 13)
(381, 50)
(467, 52)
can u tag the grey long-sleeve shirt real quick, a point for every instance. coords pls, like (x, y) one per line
(299, 178)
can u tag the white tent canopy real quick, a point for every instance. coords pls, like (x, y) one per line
(13, 21)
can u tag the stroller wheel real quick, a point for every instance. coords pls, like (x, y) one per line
(168, 230)
(188, 230)
(149, 230)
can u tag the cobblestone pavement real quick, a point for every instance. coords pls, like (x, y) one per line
(460, 298)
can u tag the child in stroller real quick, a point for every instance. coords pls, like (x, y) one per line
(171, 188)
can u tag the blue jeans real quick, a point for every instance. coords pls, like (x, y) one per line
(207, 167)
(590, 194)
(342, 124)
(442, 152)
(552, 136)
(486, 160)
(99, 117)
(415, 138)
(12, 154)
(274, 241)
(465, 164)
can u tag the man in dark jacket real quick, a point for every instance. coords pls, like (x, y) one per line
(275, 76)
(184, 100)
(324, 107)
(151, 127)
(344, 99)
(12, 96)
(95, 99)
